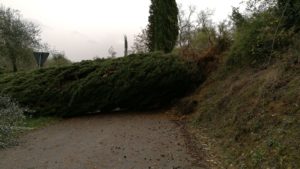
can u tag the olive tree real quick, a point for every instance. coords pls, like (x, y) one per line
(17, 36)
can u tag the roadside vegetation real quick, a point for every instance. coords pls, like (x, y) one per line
(57, 59)
(246, 71)
(13, 122)
(135, 82)
(250, 104)
(11, 118)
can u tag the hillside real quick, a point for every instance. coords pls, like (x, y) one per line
(252, 114)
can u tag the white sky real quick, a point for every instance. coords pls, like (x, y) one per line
(87, 28)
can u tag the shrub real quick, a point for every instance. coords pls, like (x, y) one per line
(291, 13)
(58, 59)
(136, 82)
(207, 45)
(257, 38)
(11, 115)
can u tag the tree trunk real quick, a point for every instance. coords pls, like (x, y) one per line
(13, 59)
(14, 64)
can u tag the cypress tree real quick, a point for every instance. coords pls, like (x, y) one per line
(162, 30)
(125, 46)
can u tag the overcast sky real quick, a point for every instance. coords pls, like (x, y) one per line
(84, 29)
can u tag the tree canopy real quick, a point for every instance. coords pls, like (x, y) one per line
(17, 36)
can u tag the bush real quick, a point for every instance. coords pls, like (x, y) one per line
(255, 39)
(136, 82)
(58, 59)
(291, 13)
(11, 115)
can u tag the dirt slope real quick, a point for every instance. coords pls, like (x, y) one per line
(131, 141)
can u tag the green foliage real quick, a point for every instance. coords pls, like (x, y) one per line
(163, 26)
(256, 38)
(17, 37)
(137, 82)
(237, 17)
(57, 60)
(25, 61)
(11, 116)
(290, 9)
(224, 36)
(34, 123)
(202, 41)
(267, 30)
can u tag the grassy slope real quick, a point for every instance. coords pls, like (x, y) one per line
(254, 115)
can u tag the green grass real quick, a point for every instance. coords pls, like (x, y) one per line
(39, 122)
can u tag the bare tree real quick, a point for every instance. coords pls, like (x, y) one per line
(186, 25)
(140, 43)
(193, 23)
(205, 24)
(112, 52)
(257, 6)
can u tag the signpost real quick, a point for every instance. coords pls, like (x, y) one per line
(40, 58)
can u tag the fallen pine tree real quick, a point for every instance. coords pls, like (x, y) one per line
(136, 82)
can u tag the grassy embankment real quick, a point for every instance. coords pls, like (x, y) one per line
(253, 114)
(250, 106)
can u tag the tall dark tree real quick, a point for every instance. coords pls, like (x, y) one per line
(125, 46)
(162, 31)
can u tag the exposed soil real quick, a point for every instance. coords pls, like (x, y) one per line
(118, 141)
